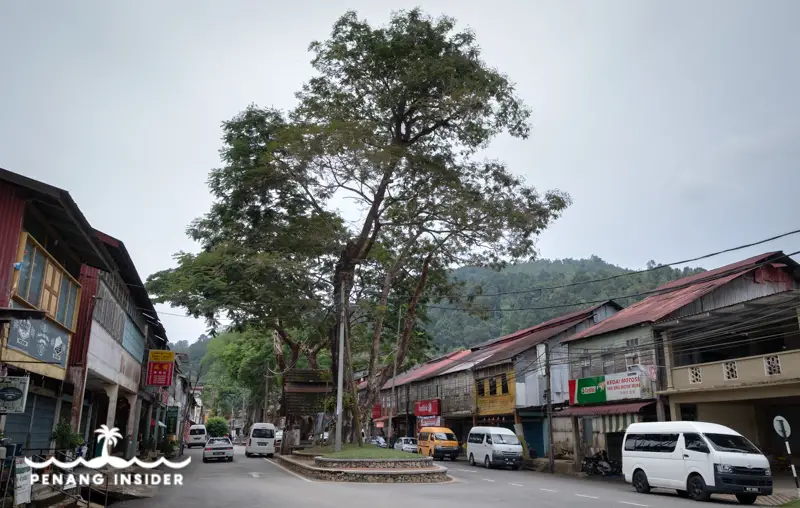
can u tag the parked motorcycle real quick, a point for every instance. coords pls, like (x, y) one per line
(600, 464)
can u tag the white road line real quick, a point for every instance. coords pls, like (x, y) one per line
(549, 490)
(584, 495)
(465, 470)
(487, 480)
(516, 485)
(635, 504)
(288, 471)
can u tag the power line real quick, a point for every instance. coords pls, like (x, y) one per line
(637, 272)
(623, 297)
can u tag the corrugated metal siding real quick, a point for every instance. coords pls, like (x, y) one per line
(12, 209)
(80, 341)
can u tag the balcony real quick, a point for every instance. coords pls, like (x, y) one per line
(738, 372)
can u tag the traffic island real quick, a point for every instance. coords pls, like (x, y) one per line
(368, 470)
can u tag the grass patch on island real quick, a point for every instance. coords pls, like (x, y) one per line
(792, 504)
(352, 451)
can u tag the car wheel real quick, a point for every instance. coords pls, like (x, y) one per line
(471, 460)
(248, 454)
(515, 468)
(270, 455)
(640, 482)
(205, 459)
(487, 463)
(746, 498)
(230, 459)
(683, 493)
(454, 458)
(697, 488)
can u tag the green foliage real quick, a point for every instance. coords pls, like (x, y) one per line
(168, 447)
(453, 329)
(65, 437)
(217, 426)
(196, 351)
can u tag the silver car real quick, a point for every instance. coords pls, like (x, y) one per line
(406, 444)
(218, 448)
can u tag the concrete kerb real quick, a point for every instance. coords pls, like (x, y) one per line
(334, 463)
(434, 474)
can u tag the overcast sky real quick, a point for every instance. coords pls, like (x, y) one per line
(674, 125)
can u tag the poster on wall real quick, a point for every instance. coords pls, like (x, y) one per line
(13, 394)
(609, 388)
(39, 339)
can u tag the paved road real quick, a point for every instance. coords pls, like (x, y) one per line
(258, 482)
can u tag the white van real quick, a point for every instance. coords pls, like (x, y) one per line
(494, 446)
(261, 440)
(197, 436)
(695, 458)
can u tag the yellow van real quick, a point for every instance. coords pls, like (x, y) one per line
(437, 442)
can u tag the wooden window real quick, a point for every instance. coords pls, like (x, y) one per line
(504, 383)
(44, 284)
(481, 387)
(492, 386)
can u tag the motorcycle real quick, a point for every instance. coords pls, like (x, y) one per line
(600, 464)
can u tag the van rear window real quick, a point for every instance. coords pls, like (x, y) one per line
(263, 433)
(197, 432)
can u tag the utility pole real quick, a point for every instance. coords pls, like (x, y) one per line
(266, 393)
(394, 374)
(340, 375)
(549, 393)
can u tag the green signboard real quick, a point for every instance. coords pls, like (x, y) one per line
(172, 420)
(590, 390)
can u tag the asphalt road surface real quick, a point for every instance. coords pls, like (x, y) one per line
(259, 482)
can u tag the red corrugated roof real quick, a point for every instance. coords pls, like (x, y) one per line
(422, 370)
(659, 306)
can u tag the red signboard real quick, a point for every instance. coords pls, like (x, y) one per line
(428, 407)
(376, 411)
(160, 373)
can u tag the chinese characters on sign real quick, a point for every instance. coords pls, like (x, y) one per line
(160, 368)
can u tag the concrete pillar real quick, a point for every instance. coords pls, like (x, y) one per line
(56, 420)
(136, 413)
(148, 419)
(78, 376)
(674, 411)
(660, 409)
(576, 442)
(668, 359)
(113, 393)
(156, 429)
(87, 432)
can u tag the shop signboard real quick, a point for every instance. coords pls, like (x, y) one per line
(160, 367)
(376, 411)
(430, 407)
(610, 388)
(428, 421)
(172, 420)
(13, 393)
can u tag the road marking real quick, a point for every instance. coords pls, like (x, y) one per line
(516, 485)
(487, 480)
(635, 504)
(255, 475)
(465, 470)
(584, 495)
(288, 471)
(549, 490)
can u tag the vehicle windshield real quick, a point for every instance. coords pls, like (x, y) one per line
(731, 443)
(445, 436)
(505, 439)
(411, 441)
(219, 440)
(263, 433)
(197, 432)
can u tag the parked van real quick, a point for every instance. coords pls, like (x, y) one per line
(197, 436)
(695, 458)
(437, 442)
(261, 440)
(494, 446)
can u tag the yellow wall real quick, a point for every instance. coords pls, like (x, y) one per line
(499, 404)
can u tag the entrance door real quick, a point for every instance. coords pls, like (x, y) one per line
(696, 458)
(533, 432)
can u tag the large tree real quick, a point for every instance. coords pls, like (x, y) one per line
(395, 117)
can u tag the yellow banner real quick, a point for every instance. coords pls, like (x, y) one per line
(157, 355)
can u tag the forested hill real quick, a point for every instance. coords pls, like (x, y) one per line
(451, 329)
(196, 351)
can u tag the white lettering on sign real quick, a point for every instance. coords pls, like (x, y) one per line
(625, 386)
(587, 390)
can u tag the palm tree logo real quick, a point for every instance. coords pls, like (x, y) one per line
(110, 437)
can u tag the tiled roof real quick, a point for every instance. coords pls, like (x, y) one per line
(677, 294)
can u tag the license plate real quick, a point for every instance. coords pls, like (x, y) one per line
(261, 444)
(219, 453)
(751, 489)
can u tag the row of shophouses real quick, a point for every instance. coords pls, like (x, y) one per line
(77, 329)
(722, 346)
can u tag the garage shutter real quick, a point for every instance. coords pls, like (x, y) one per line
(533, 432)
(42, 428)
(18, 424)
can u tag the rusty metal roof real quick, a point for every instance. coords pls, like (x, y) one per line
(423, 370)
(677, 294)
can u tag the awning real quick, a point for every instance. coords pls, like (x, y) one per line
(605, 409)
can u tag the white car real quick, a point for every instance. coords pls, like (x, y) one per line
(261, 440)
(278, 439)
(218, 448)
(406, 444)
